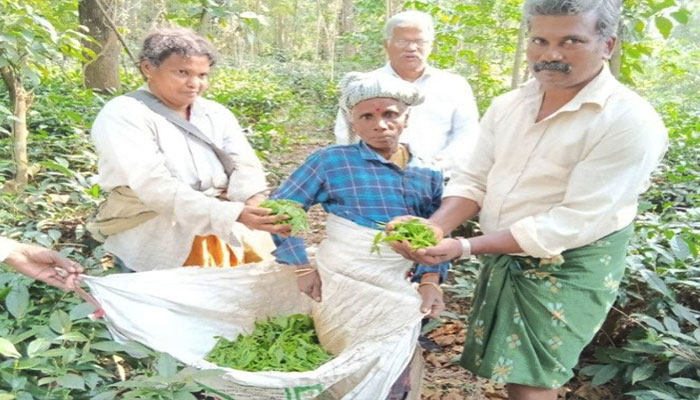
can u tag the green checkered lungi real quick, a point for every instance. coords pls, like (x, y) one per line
(531, 317)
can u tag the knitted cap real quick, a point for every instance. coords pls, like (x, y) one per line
(358, 86)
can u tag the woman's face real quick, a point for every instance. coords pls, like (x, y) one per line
(178, 80)
(379, 123)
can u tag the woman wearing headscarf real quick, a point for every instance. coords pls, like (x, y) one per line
(184, 182)
(362, 186)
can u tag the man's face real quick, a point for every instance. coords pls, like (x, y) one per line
(178, 80)
(379, 123)
(566, 51)
(408, 48)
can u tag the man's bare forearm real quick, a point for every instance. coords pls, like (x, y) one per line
(453, 212)
(501, 242)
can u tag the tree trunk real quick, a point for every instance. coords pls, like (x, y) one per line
(347, 26)
(515, 80)
(20, 100)
(319, 31)
(102, 72)
(204, 20)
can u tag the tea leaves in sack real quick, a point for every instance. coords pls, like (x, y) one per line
(286, 344)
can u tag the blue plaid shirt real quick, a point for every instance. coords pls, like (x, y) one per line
(354, 182)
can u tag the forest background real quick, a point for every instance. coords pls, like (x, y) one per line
(61, 60)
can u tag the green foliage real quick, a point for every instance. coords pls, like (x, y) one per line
(657, 311)
(52, 350)
(415, 232)
(275, 99)
(35, 33)
(292, 209)
(286, 344)
(640, 18)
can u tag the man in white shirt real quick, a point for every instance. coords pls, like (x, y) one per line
(445, 127)
(555, 179)
(40, 263)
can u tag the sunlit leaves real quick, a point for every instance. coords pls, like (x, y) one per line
(8, 349)
(664, 25)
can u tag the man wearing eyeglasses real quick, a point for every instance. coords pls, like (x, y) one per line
(445, 127)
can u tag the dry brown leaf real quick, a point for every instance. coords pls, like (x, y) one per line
(445, 340)
(454, 394)
(433, 360)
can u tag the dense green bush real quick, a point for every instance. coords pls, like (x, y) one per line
(51, 350)
(655, 327)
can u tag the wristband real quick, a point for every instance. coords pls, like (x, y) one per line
(466, 248)
(7, 246)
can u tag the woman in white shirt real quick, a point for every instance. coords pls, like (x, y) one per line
(184, 205)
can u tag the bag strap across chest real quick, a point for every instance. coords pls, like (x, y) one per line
(186, 127)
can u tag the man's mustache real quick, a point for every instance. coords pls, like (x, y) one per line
(552, 66)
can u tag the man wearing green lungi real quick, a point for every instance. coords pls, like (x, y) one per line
(555, 179)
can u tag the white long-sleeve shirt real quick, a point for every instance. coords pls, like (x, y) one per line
(444, 128)
(6, 247)
(174, 175)
(567, 180)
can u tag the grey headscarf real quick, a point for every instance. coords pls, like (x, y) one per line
(358, 86)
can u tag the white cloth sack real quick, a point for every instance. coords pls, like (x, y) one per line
(369, 317)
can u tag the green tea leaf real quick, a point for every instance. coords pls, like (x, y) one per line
(38, 346)
(686, 382)
(418, 235)
(294, 210)
(8, 349)
(17, 301)
(60, 321)
(643, 372)
(287, 344)
(605, 374)
(71, 381)
(166, 365)
(664, 25)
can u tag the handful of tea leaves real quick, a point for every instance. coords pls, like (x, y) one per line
(287, 344)
(418, 235)
(297, 216)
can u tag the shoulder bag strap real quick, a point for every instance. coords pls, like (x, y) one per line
(157, 106)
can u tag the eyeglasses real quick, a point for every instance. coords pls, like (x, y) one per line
(405, 43)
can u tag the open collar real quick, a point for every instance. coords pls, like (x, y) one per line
(427, 73)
